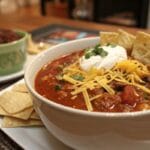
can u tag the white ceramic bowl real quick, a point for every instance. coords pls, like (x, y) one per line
(82, 129)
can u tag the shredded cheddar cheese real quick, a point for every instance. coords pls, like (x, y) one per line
(128, 71)
(87, 100)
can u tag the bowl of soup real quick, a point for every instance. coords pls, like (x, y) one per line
(13, 45)
(92, 95)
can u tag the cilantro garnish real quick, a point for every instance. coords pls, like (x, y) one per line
(58, 87)
(111, 45)
(97, 50)
(78, 77)
(104, 53)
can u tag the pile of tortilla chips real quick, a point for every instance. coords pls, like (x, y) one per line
(137, 46)
(17, 108)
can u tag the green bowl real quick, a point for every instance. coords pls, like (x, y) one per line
(13, 55)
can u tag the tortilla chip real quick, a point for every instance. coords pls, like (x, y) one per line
(10, 122)
(14, 102)
(32, 47)
(126, 40)
(25, 114)
(35, 48)
(108, 38)
(2, 111)
(141, 48)
(34, 115)
(20, 88)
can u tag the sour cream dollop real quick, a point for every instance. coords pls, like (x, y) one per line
(114, 55)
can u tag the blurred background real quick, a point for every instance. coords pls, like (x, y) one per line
(132, 13)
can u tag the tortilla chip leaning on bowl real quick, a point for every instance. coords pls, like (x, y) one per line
(141, 48)
(108, 38)
(34, 115)
(126, 40)
(120, 37)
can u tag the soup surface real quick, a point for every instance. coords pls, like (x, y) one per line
(118, 88)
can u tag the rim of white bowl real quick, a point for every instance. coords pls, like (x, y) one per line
(113, 115)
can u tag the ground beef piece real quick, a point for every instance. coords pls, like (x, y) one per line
(106, 103)
(147, 85)
(117, 85)
(130, 95)
(145, 105)
(96, 91)
(123, 108)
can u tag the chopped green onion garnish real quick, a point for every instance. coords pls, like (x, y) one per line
(98, 51)
(112, 45)
(86, 50)
(97, 46)
(58, 87)
(104, 53)
(78, 77)
(89, 54)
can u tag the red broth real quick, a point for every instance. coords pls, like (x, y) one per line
(127, 98)
(7, 36)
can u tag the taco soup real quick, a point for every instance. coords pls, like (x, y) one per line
(110, 77)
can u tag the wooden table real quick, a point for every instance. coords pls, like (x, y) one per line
(28, 23)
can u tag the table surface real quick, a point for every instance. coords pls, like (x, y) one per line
(31, 22)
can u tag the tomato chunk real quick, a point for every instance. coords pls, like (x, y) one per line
(130, 95)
